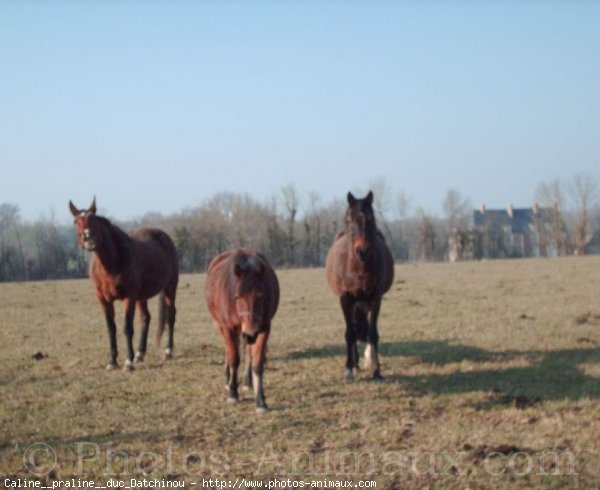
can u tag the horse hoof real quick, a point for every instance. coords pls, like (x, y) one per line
(112, 366)
(128, 365)
(377, 375)
(168, 354)
(246, 387)
(261, 410)
(349, 375)
(232, 401)
(139, 357)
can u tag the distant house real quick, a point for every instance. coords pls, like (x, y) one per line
(593, 246)
(520, 232)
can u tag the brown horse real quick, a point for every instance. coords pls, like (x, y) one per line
(360, 270)
(133, 269)
(242, 295)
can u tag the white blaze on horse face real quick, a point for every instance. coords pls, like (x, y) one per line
(88, 243)
(245, 315)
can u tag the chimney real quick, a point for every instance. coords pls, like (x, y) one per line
(510, 210)
(482, 208)
(536, 208)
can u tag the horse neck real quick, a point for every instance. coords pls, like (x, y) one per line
(111, 252)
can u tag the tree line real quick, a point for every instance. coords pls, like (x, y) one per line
(296, 230)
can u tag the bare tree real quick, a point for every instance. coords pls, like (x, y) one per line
(51, 252)
(291, 202)
(12, 260)
(458, 211)
(426, 237)
(584, 194)
(382, 197)
(313, 233)
(402, 249)
(551, 196)
(383, 204)
(402, 205)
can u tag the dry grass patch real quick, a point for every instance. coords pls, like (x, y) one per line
(491, 382)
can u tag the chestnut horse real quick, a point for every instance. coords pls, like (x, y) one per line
(360, 270)
(242, 295)
(132, 268)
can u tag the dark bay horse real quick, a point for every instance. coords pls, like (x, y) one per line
(360, 270)
(132, 268)
(242, 295)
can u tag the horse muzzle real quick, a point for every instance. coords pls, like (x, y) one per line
(249, 329)
(363, 252)
(249, 339)
(90, 245)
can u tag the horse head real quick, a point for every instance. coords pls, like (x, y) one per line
(88, 226)
(361, 228)
(249, 295)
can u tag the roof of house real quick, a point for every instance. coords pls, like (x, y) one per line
(519, 222)
(594, 244)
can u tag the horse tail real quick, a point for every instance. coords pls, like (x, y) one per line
(162, 316)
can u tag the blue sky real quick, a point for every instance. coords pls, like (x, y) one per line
(158, 105)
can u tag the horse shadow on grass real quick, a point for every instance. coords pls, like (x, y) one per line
(438, 352)
(547, 375)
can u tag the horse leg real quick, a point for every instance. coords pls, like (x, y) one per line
(248, 376)
(145, 316)
(259, 350)
(347, 302)
(233, 362)
(171, 313)
(109, 314)
(227, 373)
(372, 349)
(129, 314)
(355, 356)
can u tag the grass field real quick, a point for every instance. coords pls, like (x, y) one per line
(492, 380)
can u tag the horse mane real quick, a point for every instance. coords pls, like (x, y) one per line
(241, 259)
(105, 221)
(119, 244)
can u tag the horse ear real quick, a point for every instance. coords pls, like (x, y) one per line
(369, 198)
(93, 206)
(74, 210)
(351, 199)
(240, 264)
(237, 270)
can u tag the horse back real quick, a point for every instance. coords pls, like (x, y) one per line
(155, 259)
(336, 264)
(386, 265)
(153, 237)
